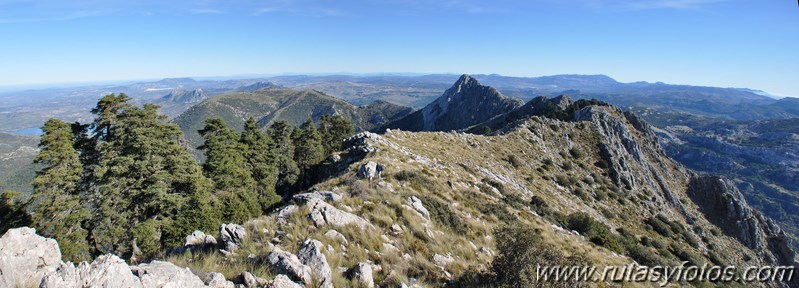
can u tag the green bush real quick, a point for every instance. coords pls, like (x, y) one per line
(576, 153)
(441, 214)
(520, 249)
(595, 231)
(416, 180)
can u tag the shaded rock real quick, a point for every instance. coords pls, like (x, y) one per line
(395, 230)
(417, 205)
(105, 271)
(323, 195)
(251, 281)
(26, 257)
(217, 280)
(282, 281)
(362, 272)
(231, 236)
(199, 239)
(311, 255)
(283, 262)
(166, 275)
(323, 214)
(368, 170)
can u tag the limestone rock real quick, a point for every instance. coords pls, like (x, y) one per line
(105, 271)
(283, 262)
(324, 214)
(217, 280)
(442, 260)
(362, 272)
(199, 239)
(251, 281)
(417, 205)
(282, 281)
(335, 235)
(166, 275)
(311, 255)
(368, 170)
(26, 257)
(231, 236)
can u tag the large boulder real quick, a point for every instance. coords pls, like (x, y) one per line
(105, 271)
(282, 281)
(199, 239)
(166, 275)
(311, 255)
(417, 205)
(231, 236)
(362, 273)
(368, 170)
(251, 281)
(326, 214)
(25, 258)
(217, 280)
(283, 262)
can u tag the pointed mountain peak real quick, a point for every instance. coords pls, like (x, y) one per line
(466, 80)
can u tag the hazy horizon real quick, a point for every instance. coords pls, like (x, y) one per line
(719, 43)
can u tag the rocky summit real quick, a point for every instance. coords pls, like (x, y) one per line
(464, 104)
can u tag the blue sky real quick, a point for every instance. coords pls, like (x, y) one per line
(727, 43)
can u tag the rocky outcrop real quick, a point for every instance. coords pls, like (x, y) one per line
(166, 275)
(231, 236)
(368, 170)
(197, 240)
(283, 262)
(311, 255)
(185, 96)
(323, 213)
(418, 206)
(25, 258)
(217, 280)
(282, 281)
(362, 273)
(105, 271)
(251, 281)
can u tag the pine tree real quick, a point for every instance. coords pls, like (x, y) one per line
(58, 212)
(288, 172)
(309, 151)
(260, 154)
(334, 129)
(144, 178)
(226, 165)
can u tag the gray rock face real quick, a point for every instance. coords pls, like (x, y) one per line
(362, 272)
(26, 257)
(725, 206)
(105, 271)
(231, 236)
(217, 280)
(282, 281)
(311, 255)
(368, 170)
(250, 281)
(166, 275)
(323, 213)
(286, 263)
(316, 195)
(417, 205)
(199, 239)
